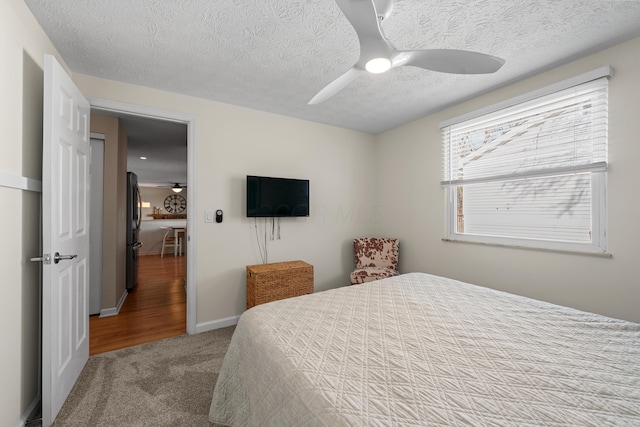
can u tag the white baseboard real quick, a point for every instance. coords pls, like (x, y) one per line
(113, 311)
(30, 412)
(217, 324)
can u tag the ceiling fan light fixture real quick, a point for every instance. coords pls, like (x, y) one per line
(176, 188)
(378, 65)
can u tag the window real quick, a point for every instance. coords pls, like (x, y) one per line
(532, 173)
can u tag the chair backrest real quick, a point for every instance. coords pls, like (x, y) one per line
(376, 252)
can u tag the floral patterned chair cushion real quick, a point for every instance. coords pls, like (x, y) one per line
(376, 258)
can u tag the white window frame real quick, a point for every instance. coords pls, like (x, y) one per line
(598, 244)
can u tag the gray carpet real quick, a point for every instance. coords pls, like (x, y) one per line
(163, 383)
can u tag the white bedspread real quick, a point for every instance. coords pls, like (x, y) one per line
(424, 350)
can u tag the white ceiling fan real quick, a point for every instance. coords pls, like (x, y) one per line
(377, 53)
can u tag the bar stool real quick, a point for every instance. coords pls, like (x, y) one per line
(171, 239)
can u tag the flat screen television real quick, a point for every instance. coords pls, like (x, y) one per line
(277, 197)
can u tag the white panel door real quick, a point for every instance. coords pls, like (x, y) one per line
(65, 227)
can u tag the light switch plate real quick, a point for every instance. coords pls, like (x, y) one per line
(208, 216)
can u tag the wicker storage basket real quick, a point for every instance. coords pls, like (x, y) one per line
(270, 282)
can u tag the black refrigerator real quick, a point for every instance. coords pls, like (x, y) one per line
(134, 213)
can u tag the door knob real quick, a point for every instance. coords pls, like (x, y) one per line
(46, 258)
(57, 257)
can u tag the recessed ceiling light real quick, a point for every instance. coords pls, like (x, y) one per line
(378, 65)
(143, 158)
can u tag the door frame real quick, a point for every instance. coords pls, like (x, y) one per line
(107, 105)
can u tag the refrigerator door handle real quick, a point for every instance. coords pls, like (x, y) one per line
(139, 203)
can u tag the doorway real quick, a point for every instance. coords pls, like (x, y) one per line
(181, 268)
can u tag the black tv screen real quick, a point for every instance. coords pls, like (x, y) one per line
(277, 197)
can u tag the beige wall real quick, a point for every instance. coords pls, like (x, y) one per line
(232, 142)
(121, 223)
(22, 48)
(151, 230)
(610, 286)
(155, 197)
(114, 208)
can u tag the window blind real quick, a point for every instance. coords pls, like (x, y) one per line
(533, 171)
(565, 132)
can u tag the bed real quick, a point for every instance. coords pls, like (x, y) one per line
(418, 349)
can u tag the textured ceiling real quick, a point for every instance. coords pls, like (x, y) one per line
(275, 55)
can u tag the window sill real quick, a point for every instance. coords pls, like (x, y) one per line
(600, 254)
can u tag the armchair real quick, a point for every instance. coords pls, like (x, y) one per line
(376, 258)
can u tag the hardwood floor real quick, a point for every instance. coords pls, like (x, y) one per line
(154, 310)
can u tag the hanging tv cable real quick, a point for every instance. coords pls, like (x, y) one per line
(263, 257)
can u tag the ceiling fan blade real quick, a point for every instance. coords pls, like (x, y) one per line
(363, 17)
(335, 86)
(453, 61)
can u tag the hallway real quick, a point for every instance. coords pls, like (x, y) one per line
(154, 310)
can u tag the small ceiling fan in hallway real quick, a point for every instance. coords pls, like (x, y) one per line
(176, 187)
(378, 54)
